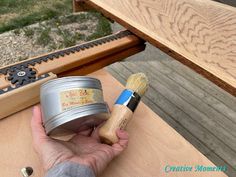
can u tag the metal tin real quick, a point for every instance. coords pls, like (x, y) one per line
(72, 103)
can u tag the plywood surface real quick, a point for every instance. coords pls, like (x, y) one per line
(153, 144)
(178, 98)
(199, 33)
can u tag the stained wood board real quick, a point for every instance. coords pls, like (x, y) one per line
(153, 143)
(199, 33)
(83, 62)
(81, 58)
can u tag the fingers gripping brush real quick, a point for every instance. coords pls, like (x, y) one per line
(124, 107)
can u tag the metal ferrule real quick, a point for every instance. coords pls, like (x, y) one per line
(129, 99)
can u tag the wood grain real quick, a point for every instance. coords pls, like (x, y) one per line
(21, 98)
(3, 82)
(83, 57)
(99, 64)
(153, 144)
(120, 116)
(199, 33)
(82, 62)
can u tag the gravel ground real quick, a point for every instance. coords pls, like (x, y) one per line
(16, 45)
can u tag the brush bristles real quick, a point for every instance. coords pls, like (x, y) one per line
(138, 83)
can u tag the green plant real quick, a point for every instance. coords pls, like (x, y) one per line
(28, 12)
(28, 32)
(103, 28)
(44, 37)
(21, 58)
(16, 32)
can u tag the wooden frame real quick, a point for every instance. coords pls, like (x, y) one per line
(200, 34)
(90, 56)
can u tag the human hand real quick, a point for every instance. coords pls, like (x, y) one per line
(84, 148)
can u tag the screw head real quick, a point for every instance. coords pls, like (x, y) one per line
(21, 73)
(27, 171)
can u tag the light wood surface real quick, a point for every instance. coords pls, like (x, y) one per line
(21, 98)
(199, 33)
(153, 144)
(3, 81)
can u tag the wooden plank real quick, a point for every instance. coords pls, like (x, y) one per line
(199, 33)
(230, 112)
(203, 133)
(21, 98)
(231, 172)
(229, 2)
(216, 97)
(88, 58)
(98, 64)
(84, 57)
(105, 46)
(188, 92)
(153, 144)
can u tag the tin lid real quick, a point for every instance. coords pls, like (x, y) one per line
(73, 81)
(77, 118)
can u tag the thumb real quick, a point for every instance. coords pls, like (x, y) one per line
(38, 132)
(122, 143)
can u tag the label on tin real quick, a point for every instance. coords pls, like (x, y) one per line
(79, 97)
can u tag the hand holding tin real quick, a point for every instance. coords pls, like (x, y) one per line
(84, 148)
(124, 107)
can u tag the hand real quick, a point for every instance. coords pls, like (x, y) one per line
(84, 148)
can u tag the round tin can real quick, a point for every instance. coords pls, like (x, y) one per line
(72, 103)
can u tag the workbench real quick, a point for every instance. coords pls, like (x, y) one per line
(153, 143)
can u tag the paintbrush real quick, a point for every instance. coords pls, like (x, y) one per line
(124, 107)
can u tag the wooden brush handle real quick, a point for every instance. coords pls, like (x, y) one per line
(120, 116)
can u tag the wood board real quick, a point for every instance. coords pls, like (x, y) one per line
(153, 144)
(84, 58)
(199, 33)
(21, 98)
